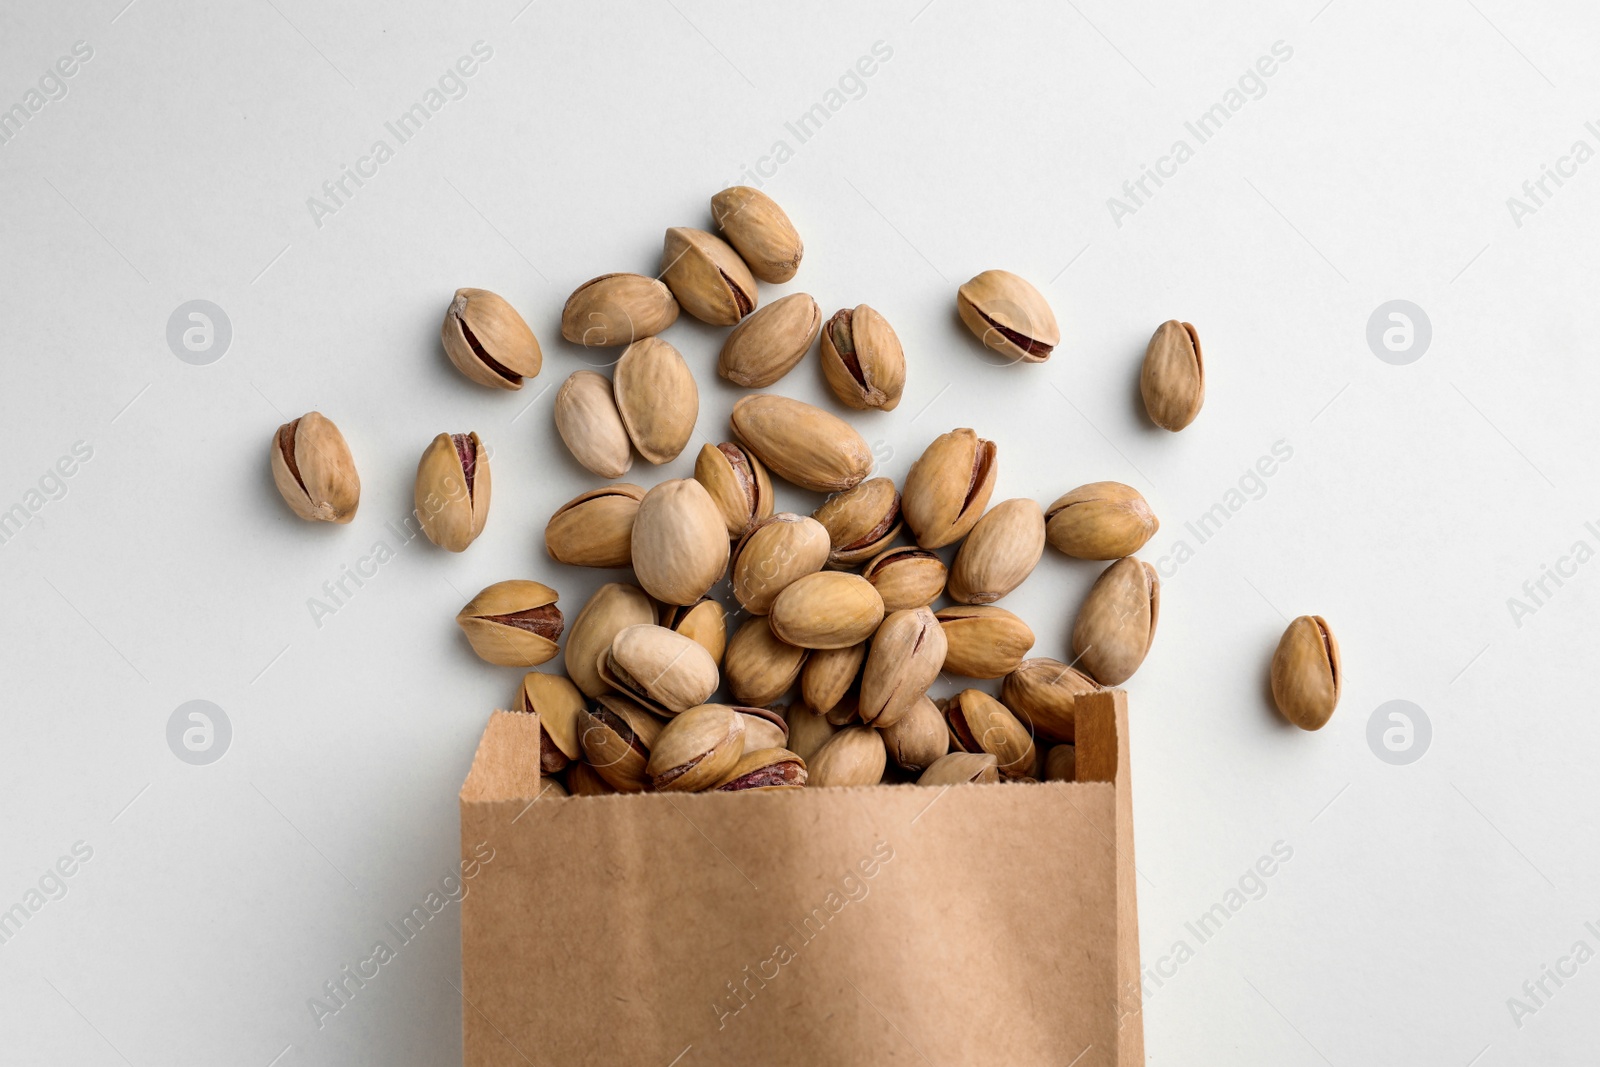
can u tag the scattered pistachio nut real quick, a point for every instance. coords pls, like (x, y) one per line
(984, 642)
(828, 675)
(513, 624)
(999, 553)
(1009, 316)
(862, 360)
(611, 609)
(961, 768)
(906, 577)
(919, 738)
(1173, 378)
(808, 731)
(755, 225)
(1044, 694)
(657, 398)
(453, 489)
(1101, 520)
(828, 609)
(773, 553)
(707, 276)
(591, 426)
(1117, 621)
(763, 727)
(313, 469)
(558, 703)
(906, 656)
(948, 487)
(758, 667)
(768, 343)
(853, 756)
(595, 529)
(680, 543)
(664, 670)
(738, 484)
(705, 623)
(617, 309)
(1306, 673)
(617, 735)
(861, 522)
(802, 444)
(488, 341)
(980, 723)
(764, 769)
(697, 749)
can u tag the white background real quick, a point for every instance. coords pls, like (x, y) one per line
(1418, 499)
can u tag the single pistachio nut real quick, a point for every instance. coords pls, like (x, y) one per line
(488, 341)
(999, 553)
(707, 276)
(961, 768)
(1117, 621)
(551, 788)
(828, 609)
(828, 675)
(584, 781)
(617, 735)
(595, 529)
(697, 749)
(1101, 520)
(1009, 316)
(948, 487)
(984, 642)
(906, 577)
(1173, 378)
(705, 623)
(617, 309)
(861, 522)
(980, 723)
(738, 484)
(767, 241)
(808, 731)
(802, 444)
(657, 398)
(763, 727)
(313, 469)
(666, 671)
(765, 768)
(758, 667)
(919, 738)
(1306, 673)
(680, 543)
(1061, 764)
(558, 703)
(1044, 694)
(591, 426)
(513, 624)
(611, 609)
(862, 360)
(853, 756)
(768, 343)
(452, 491)
(773, 553)
(907, 654)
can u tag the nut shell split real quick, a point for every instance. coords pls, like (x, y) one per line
(453, 489)
(1306, 673)
(488, 341)
(313, 470)
(513, 624)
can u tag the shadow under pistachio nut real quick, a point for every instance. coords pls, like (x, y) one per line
(738, 484)
(1173, 378)
(704, 622)
(763, 727)
(513, 624)
(1044, 694)
(558, 703)
(707, 276)
(611, 609)
(680, 543)
(591, 426)
(617, 735)
(664, 670)
(656, 398)
(853, 756)
(758, 667)
(980, 723)
(828, 675)
(1101, 520)
(861, 522)
(905, 657)
(314, 471)
(761, 231)
(983, 642)
(1306, 673)
(948, 487)
(766, 768)
(697, 749)
(906, 577)
(919, 738)
(862, 360)
(802, 444)
(1117, 621)
(595, 529)
(808, 731)
(617, 309)
(1009, 316)
(773, 553)
(453, 489)
(962, 768)
(488, 341)
(828, 609)
(769, 342)
(846, 712)
(999, 553)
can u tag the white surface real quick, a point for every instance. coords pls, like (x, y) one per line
(1418, 498)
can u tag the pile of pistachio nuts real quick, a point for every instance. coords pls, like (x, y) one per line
(837, 626)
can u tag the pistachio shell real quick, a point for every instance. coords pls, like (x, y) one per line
(1044, 693)
(513, 624)
(696, 749)
(453, 489)
(738, 484)
(948, 487)
(764, 769)
(758, 667)
(999, 553)
(906, 577)
(760, 230)
(1101, 520)
(768, 344)
(802, 444)
(665, 670)
(617, 309)
(961, 768)
(1173, 378)
(709, 279)
(984, 642)
(1009, 316)
(1306, 673)
(617, 735)
(1117, 621)
(919, 737)
(1061, 764)
(861, 522)
(853, 756)
(610, 610)
(551, 789)
(589, 422)
(828, 675)
(680, 543)
(862, 360)
(583, 781)
(808, 731)
(656, 398)
(906, 655)
(763, 727)
(313, 469)
(980, 723)
(705, 623)
(846, 711)
(773, 553)
(557, 702)
(488, 341)
(595, 529)
(829, 609)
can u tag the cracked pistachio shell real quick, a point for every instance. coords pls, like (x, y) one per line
(584, 781)
(1061, 764)
(657, 398)
(853, 756)
(611, 609)
(983, 642)
(768, 344)
(738, 484)
(758, 667)
(1173, 379)
(696, 749)
(1117, 621)
(558, 703)
(1009, 316)
(707, 276)
(591, 426)
(617, 309)
(763, 727)
(828, 609)
(774, 553)
(906, 577)
(907, 654)
(861, 522)
(617, 735)
(488, 341)
(1306, 673)
(919, 737)
(1044, 694)
(802, 444)
(766, 768)
(513, 624)
(862, 360)
(948, 487)
(313, 469)
(755, 225)
(808, 731)
(961, 768)
(999, 553)
(705, 623)
(680, 543)
(1101, 520)
(664, 670)
(828, 675)
(452, 491)
(595, 529)
(980, 723)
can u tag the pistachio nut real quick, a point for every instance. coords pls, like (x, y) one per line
(862, 360)
(513, 624)
(1101, 520)
(1306, 673)
(738, 484)
(452, 491)
(772, 554)
(680, 543)
(765, 768)
(846, 711)
(617, 735)
(557, 702)
(657, 398)
(595, 529)
(313, 469)
(808, 731)
(1044, 694)
(948, 487)
(1061, 764)
(591, 426)
(488, 341)
(1173, 378)
(906, 655)
(758, 667)
(583, 781)
(709, 279)
(705, 623)
(861, 522)
(999, 553)
(1117, 621)
(802, 444)
(828, 675)
(611, 609)
(617, 309)
(768, 343)
(1009, 316)
(664, 670)
(919, 738)
(980, 723)
(551, 788)
(853, 756)
(767, 241)
(828, 609)
(906, 577)
(697, 749)
(763, 727)
(961, 768)
(984, 642)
